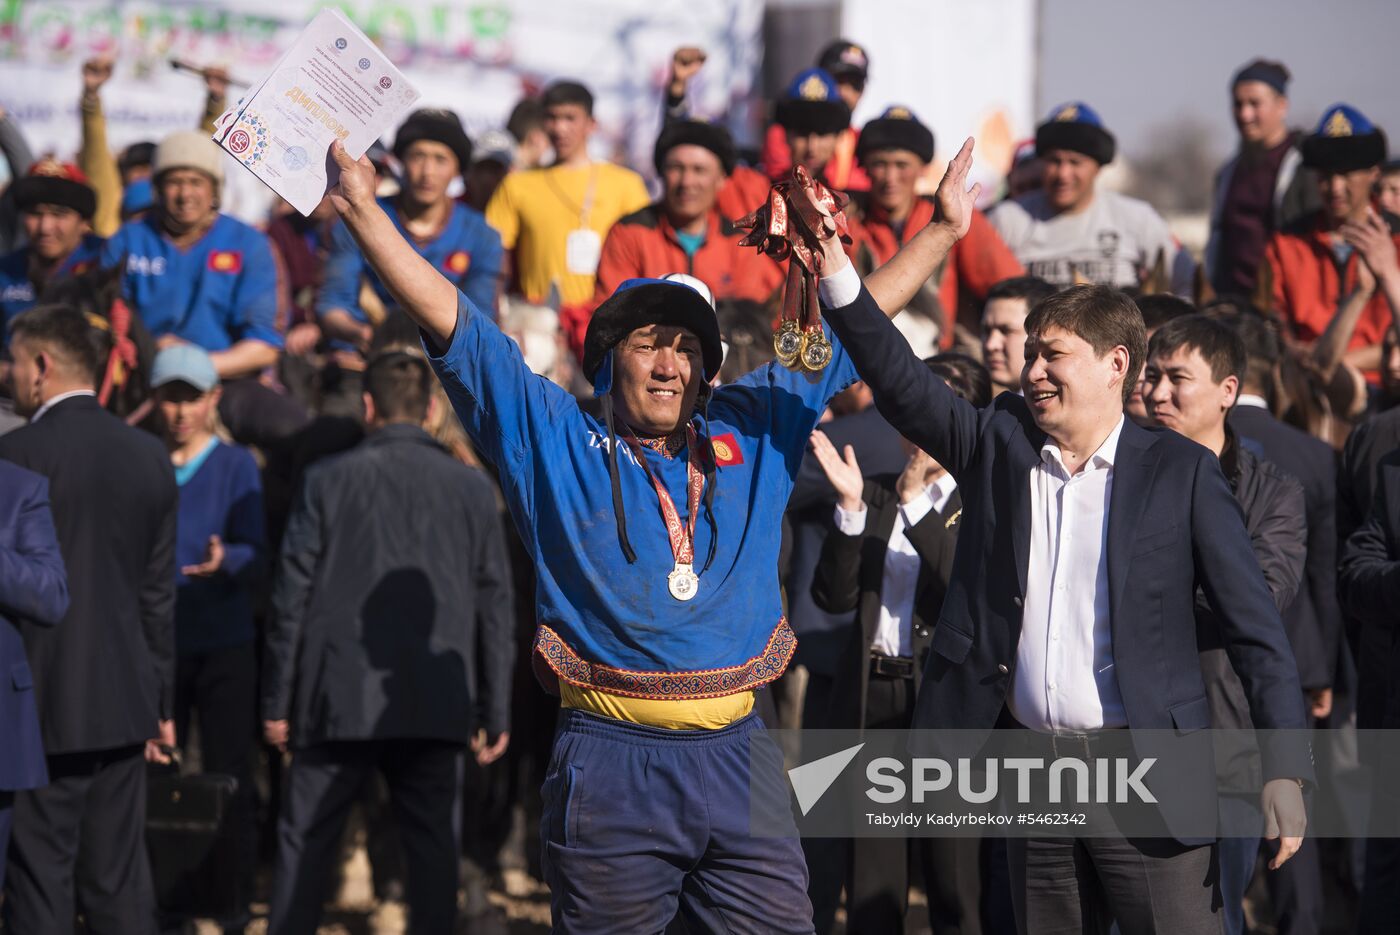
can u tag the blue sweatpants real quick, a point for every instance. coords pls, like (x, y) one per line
(640, 823)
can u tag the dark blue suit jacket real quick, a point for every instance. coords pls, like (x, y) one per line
(33, 590)
(1173, 525)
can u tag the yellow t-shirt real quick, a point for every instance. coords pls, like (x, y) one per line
(534, 211)
(701, 714)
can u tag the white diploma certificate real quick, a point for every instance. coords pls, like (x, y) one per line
(333, 83)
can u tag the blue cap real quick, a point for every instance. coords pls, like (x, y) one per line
(814, 84)
(1076, 127)
(1343, 120)
(1075, 112)
(137, 197)
(1345, 141)
(184, 363)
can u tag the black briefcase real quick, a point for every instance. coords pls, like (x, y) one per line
(192, 845)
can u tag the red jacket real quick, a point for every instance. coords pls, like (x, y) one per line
(976, 263)
(1309, 284)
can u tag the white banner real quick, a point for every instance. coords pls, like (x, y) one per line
(964, 68)
(476, 57)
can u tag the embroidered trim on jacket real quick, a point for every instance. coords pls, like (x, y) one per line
(672, 686)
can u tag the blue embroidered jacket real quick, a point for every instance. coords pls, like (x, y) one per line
(607, 624)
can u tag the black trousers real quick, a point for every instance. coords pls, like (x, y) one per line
(877, 882)
(218, 690)
(79, 844)
(7, 813)
(1380, 889)
(324, 781)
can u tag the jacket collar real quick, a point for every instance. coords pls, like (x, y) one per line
(396, 432)
(715, 226)
(77, 399)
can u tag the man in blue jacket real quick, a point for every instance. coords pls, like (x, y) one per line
(453, 237)
(655, 534)
(33, 591)
(198, 276)
(1070, 610)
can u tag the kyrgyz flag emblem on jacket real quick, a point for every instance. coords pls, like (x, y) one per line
(226, 261)
(727, 451)
(457, 262)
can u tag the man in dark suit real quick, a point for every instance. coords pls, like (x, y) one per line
(33, 591)
(1369, 584)
(1062, 496)
(1195, 367)
(104, 677)
(889, 560)
(391, 649)
(1314, 618)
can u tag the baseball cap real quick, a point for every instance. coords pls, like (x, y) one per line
(184, 363)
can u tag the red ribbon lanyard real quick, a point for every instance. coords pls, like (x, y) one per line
(682, 535)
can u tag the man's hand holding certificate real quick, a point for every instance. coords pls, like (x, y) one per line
(332, 84)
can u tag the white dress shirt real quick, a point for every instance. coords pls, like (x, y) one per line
(54, 401)
(1249, 399)
(841, 288)
(1065, 678)
(899, 585)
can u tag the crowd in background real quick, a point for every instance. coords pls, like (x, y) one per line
(285, 561)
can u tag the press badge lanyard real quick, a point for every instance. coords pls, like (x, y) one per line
(583, 247)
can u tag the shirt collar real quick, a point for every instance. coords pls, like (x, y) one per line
(1101, 458)
(1249, 399)
(54, 401)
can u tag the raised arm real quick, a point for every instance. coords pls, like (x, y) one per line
(94, 158)
(907, 393)
(419, 289)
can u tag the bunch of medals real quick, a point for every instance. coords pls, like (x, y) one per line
(789, 227)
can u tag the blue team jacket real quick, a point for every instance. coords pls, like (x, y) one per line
(220, 291)
(467, 251)
(17, 293)
(606, 624)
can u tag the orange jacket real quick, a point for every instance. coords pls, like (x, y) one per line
(1309, 284)
(975, 264)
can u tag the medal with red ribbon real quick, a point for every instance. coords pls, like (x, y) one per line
(788, 227)
(682, 582)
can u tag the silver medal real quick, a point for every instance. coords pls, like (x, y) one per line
(683, 582)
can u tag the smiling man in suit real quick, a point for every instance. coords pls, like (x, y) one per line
(1064, 503)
